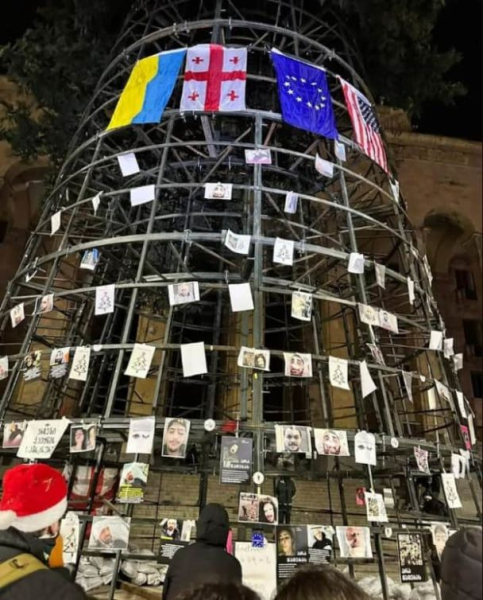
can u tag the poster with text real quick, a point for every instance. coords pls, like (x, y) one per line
(411, 558)
(59, 363)
(134, 478)
(259, 570)
(41, 438)
(301, 545)
(236, 460)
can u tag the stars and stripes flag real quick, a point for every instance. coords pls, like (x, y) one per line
(215, 79)
(365, 124)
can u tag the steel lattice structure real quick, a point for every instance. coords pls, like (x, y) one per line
(179, 237)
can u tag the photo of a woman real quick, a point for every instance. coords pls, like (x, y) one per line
(268, 511)
(78, 439)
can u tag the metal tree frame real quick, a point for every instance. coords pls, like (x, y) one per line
(179, 237)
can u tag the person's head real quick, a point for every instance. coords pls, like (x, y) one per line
(183, 290)
(297, 365)
(213, 525)
(105, 536)
(92, 436)
(462, 565)
(171, 524)
(293, 439)
(175, 437)
(331, 443)
(320, 583)
(219, 591)
(260, 361)
(286, 542)
(355, 537)
(34, 499)
(79, 438)
(269, 511)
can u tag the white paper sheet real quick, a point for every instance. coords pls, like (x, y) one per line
(128, 164)
(365, 448)
(471, 427)
(193, 358)
(408, 384)
(140, 361)
(184, 293)
(436, 340)
(80, 363)
(218, 191)
(324, 167)
(44, 304)
(241, 297)
(240, 244)
(259, 156)
(448, 347)
(458, 361)
(17, 315)
(3, 367)
(356, 263)
(105, 299)
(395, 189)
(340, 151)
(367, 383)
(380, 275)
(388, 321)
(259, 568)
(302, 305)
(143, 194)
(55, 222)
(96, 202)
(462, 404)
(339, 372)
(283, 252)
(411, 291)
(141, 436)
(451, 491)
(291, 203)
(41, 438)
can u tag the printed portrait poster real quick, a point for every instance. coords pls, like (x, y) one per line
(134, 477)
(32, 366)
(297, 364)
(141, 436)
(13, 434)
(298, 546)
(251, 358)
(184, 293)
(354, 542)
(259, 156)
(236, 459)
(293, 438)
(83, 438)
(59, 363)
(365, 448)
(331, 442)
(171, 529)
(41, 438)
(240, 244)
(376, 509)
(411, 557)
(175, 438)
(422, 460)
(440, 535)
(257, 508)
(302, 306)
(110, 533)
(17, 315)
(258, 568)
(218, 191)
(44, 304)
(69, 531)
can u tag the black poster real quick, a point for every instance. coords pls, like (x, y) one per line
(301, 545)
(236, 460)
(411, 558)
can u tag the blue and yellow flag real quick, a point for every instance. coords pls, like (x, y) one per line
(148, 90)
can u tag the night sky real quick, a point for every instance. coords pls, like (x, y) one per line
(459, 26)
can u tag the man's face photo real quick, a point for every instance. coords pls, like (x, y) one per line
(331, 443)
(293, 439)
(105, 536)
(183, 290)
(355, 537)
(297, 366)
(175, 438)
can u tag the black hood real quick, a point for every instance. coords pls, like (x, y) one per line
(213, 525)
(23, 542)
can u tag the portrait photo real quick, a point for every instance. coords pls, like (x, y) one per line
(251, 358)
(17, 315)
(218, 191)
(44, 304)
(298, 365)
(302, 306)
(83, 438)
(440, 535)
(109, 533)
(293, 438)
(259, 156)
(32, 365)
(286, 541)
(240, 244)
(183, 293)
(268, 510)
(354, 542)
(331, 442)
(248, 508)
(13, 434)
(175, 438)
(171, 530)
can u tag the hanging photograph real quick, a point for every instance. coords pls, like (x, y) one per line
(183, 293)
(324, 167)
(377, 354)
(365, 448)
(83, 438)
(291, 203)
(422, 460)
(339, 373)
(251, 358)
(109, 533)
(283, 252)
(175, 438)
(331, 442)
(354, 542)
(440, 535)
(13, 434)
(240, 244)
(90, 259)
(321, 544)
(369, 314)
(236, 459)
(140, 361)
(302, 306)
(376, 509)
(218, 191)
(259, 156)
(80, 363)
(356, 263)
(171, 529)
(3, 367)
(44, 304)
(142, 195)
(293, 438)
(257, 508)
(380, 275)
(134, 478)
(451, 491)
(193, 359)
(367, 383)
(298, 365)
(32, 366)
(128, 164)
(59, 363)
(41, 438)
(388, 321)
(105, 299)
(241, 297)
(411, 557)
(141, 436)
(300, 545)
(17, 315)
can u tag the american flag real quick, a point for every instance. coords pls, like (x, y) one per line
(366, 125)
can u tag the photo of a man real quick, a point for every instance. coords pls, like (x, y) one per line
(170, 530)
(354, 542)
(175, 438)
(109, 533)
(330, 442)
(298, 365)
(183, 293)
(293, 438)
(44, 304)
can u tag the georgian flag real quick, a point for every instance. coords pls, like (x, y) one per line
(215, 79)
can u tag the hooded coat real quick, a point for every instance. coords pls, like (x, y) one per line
(206, 561)
(461, 568)
(46, 584)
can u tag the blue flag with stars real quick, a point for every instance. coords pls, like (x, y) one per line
(304, 95)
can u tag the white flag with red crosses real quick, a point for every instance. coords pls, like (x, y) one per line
(215, 79)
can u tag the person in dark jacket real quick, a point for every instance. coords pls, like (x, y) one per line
(285, 491)
(461, 566)
(206, 561)
(33, 502)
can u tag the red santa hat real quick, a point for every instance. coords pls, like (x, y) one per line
(34, 497)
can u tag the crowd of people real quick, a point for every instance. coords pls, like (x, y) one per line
(34, 500)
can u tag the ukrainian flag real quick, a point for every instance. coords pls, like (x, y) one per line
(148, 90)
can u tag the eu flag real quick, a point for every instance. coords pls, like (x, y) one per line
(304, 95)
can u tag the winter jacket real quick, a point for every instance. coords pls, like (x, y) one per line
(285, 491)
(46, 584)
(206, 561)
(461, 568)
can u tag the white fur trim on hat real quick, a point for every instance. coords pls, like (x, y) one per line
(35, 522)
